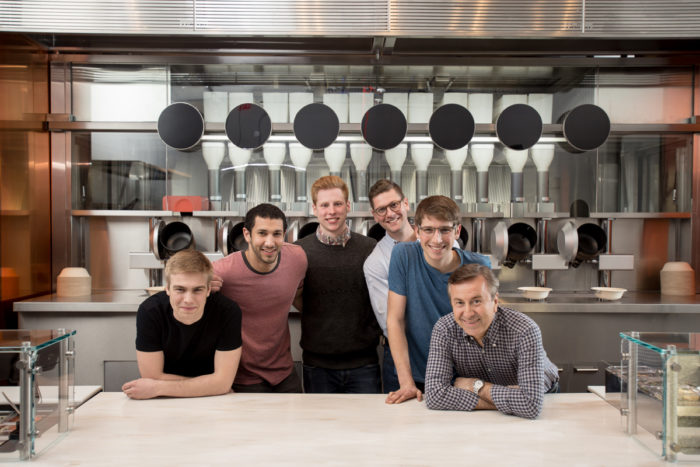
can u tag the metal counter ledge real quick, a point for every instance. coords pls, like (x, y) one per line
(340, 429)
(584, 302)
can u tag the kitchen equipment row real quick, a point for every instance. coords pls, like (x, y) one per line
(451, 126)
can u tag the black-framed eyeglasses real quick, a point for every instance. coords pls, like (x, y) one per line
(430, 231)
(395, 206)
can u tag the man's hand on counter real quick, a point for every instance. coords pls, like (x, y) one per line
(216, 283)
(142, 388)
(404, 394)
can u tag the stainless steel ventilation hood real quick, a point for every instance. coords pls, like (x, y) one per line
(360, 18)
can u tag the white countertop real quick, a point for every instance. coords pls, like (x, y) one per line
(314, 429)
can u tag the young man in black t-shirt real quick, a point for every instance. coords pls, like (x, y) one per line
(188, 342)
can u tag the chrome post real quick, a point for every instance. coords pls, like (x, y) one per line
(456, 187)
(482, 187)
(516, 187)
(632, 386)
(300, 186)
(239, 186)
(543, 187)
(670, 391)
(541, 276)
(275, 186)
(477, 227)
(214, 190)
(605, 276)
(26, 402)
(361, 193)
(63, 382)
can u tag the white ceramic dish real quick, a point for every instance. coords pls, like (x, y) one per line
(154, 290)
(535, 293)
(608, 293)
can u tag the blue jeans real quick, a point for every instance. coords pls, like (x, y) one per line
(389, 377)
(362, 380)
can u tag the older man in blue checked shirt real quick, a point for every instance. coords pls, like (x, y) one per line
(495, 352)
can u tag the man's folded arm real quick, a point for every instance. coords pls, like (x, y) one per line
(154, 382)
(526, 399)
(440, 394)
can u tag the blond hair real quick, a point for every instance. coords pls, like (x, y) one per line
(188, 261)
(328, 182)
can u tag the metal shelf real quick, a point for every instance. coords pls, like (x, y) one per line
(211, 129)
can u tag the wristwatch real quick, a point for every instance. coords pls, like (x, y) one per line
(478, 384)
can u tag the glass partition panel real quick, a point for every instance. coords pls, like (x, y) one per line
(38, 394)
(661, 391)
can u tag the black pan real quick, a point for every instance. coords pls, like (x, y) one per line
(236, 240)
(174, 237)
(307, 229)
(592, 241)
(521, 240)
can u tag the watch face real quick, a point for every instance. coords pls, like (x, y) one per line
(478, 384)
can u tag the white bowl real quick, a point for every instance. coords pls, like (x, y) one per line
(608, 293)
(154, 290)
(535, 293)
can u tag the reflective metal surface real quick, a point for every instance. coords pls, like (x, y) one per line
(428, 18)
(25, 175)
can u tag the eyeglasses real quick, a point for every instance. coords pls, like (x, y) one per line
(395, 206)
(430, 231)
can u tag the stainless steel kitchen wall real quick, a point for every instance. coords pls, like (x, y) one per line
(427, 18)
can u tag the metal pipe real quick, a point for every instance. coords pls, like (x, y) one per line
(605, 276)
(396, 176)
(63, 382)
(300, 187)
(541, 276)
(632, 386)
(214, 190)
(477, 226)
(482, 187)
(456, 187)
(275, 186)
(361, 192)
(516, 187)
(26, 402)
(543, 187)
(239, 186)
(421, 185)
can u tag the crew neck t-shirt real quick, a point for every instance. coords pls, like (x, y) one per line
(188, 349)
(425, 289)
(265, 300)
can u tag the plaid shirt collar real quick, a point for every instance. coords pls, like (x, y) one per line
(326, 239)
